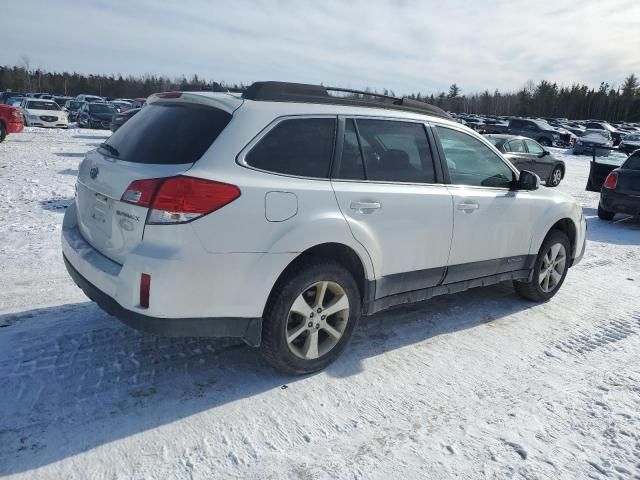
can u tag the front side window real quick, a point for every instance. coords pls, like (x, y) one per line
(534, 147)
(395, 151)
(302, 147)
(471, 162)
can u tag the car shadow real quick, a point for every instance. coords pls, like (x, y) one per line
(92, 137)
(70, 154)
(622, 230)
(69, 171)
(56, 204)
(96, 381)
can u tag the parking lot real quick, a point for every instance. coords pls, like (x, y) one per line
(478, 384)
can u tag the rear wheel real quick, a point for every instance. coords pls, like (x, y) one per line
(3, 132)
(310, 317)
(555, 178)
(549, 270)
(605, 214)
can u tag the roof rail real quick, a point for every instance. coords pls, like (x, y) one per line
(305, 93)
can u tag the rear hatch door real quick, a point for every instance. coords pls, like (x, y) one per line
(163, 140)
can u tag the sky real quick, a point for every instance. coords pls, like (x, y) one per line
(404, 46)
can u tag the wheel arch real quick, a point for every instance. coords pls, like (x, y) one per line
(344, 255)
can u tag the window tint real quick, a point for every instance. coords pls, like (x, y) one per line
(534, 147)
(396, 151)
(471, 162)
(633, 162)
(167, 134)
(516, 146)
(351, 165)
(300, 147)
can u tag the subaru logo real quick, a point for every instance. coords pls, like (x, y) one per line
(93, 173)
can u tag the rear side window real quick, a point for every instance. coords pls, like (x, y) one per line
(393, 152)
(167, 134)
(302, 147)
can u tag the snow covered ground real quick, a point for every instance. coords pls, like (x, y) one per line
(475, 385)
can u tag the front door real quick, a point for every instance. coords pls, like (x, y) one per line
(492, 224)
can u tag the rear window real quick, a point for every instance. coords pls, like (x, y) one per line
(633, 162)
(167, 134)
(301, 147)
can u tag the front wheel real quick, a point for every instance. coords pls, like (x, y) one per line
(3, 133)
(310, 317)
(555, 178)
(605, 214)
(549, 270)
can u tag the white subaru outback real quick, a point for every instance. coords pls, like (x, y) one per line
(283, 214)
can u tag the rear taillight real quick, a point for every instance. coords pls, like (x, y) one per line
(612, 180)
(179, 199)
(16, 113)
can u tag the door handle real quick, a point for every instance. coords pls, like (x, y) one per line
(468, 207)
(365, 207)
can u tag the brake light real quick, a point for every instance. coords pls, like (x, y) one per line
(179, 199)
(612, 180)
(182, 199)
(169, 94)
(145, 289)
(16, 113)
(141, 192)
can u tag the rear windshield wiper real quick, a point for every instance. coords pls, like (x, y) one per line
(112, 150)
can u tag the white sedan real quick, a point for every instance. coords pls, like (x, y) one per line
(43, 113)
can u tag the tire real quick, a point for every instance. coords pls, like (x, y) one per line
(555, 178)
(605, 214)
(3, 132)
(544, 141)
(298, 290)
(535, 290)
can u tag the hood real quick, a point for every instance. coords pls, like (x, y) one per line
(594, 138)
(49, 113)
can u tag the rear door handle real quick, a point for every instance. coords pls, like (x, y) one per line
(468, 207)
(365, 207)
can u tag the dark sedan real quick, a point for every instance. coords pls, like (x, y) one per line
(527, 154)
(95, 115)
(619, 186)
(121, 118)
(630, 143)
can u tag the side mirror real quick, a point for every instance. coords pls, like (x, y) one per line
(545, 153)
(528, 181)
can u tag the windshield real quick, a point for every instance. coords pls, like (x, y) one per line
(494, 141)
(543, 124)
(40, 105)
(101, 108)
(632, 138)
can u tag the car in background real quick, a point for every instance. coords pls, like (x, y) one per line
(14, 101)
(120, 105)
(39, 112)
(616, 134)
(88, 98)
(61, 100)
(121, 118)
(95, 115)
(45, 96)
(10, 121)
(593, 139)
(539, 130)
(72, 107)
(527, 154)
(139, 103)
(629, 143)
(618, 184)
(6, 95)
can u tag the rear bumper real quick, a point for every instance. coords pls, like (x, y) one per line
(249, 329)
(619, 203)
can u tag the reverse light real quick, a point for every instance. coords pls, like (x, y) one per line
(141, 192)
(612, 180)
(145, 289)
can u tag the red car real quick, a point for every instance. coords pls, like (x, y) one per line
(10, 121)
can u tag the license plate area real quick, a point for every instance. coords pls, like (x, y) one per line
(101, 212)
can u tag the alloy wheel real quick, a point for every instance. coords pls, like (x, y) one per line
(552, 268)
(317, 320)
(557, 176)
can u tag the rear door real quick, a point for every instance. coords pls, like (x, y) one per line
(540, 163)
(161, 141)
(517, 154)
(390, 192)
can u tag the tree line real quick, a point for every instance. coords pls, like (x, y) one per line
(545, 99)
